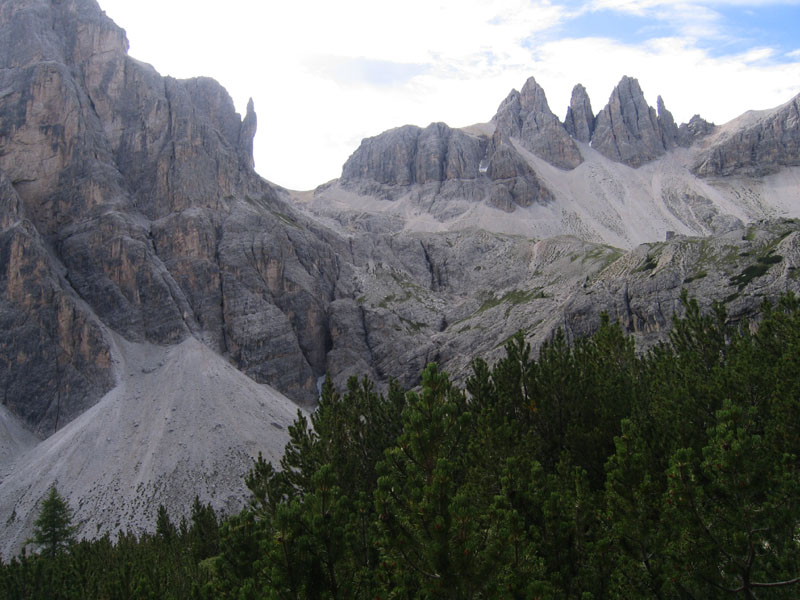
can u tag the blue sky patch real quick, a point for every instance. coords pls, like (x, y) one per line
(623, 27)
(738, 28)
(776, 26)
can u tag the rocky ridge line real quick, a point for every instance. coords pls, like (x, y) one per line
(487, 163)
(761, 147)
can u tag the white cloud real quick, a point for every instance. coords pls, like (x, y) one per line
(326, 74)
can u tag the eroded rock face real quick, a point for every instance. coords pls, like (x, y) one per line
(627, 130)
(696, 129)
(580, 118)
(410, 154)
(667, 126)
(129, 209)
(517, 183)
(527, 116)
(759, 148)
(129, 203)
(55, 359)
(642, 289)
(392, 163)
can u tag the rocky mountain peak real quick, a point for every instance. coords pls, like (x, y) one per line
(43, 30)
(507, 118)
(580, 118)
(124, 197)
(412, 155)
(146, 267)
(697, 128)
(532, 99)
(527, 117)
(627, 129)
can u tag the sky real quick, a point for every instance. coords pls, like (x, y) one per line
(325, 74)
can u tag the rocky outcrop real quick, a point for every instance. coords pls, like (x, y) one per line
(580, 118)
(410, 154)
(760, 145)
(627, 130)
(131, 220)
(55, 359)
(642, 289)
(666, 125)
(696, 129)
(525, 115)
(517, 183)
(449, 296)
(390, 164)
(129, 202)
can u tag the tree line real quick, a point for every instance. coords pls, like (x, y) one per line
(586, 472)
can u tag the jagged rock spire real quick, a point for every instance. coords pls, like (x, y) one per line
(627, 129)
(669, 130)
(580, 118)
(247, 132)
(526, 116)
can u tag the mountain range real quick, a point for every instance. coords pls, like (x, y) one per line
(166, 311)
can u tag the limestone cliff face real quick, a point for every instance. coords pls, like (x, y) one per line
(580, 118)
(129, 203)
(486, 167)
(667, 126)
(696, 129)
(54, 357)
(486, 163)
(641, 290)
(627, 130)
(410, 154)
(447, 297)
(517, 182)
(525, 115)
(762, 145)
(444, 162)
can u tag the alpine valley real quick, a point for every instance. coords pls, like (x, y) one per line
(165, 311)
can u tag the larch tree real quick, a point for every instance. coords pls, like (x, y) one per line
(53, 529)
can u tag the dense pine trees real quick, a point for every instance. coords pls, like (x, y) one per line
(589, 472)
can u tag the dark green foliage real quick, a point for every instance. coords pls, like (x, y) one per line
(770, 259)
(649, 264)
(164, 527)
(757, 269)
(204, 532)
(159, 566)
(53, 529)
(430, 526)
(587, 472)
(702, 491)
